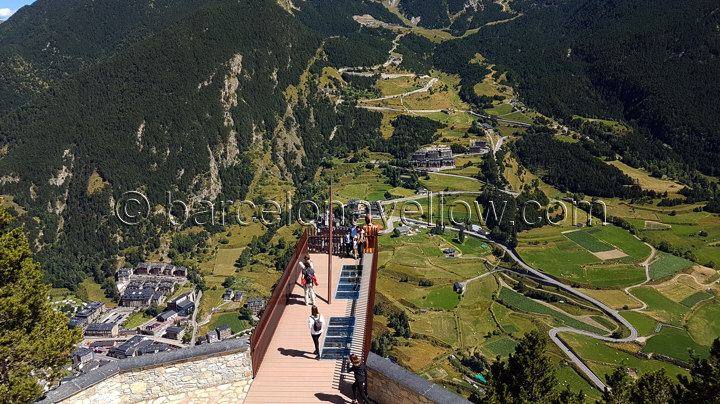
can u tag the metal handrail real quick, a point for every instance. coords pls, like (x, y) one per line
(370, 310)
(265, 328)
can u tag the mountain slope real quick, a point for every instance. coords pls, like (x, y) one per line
(652, 62)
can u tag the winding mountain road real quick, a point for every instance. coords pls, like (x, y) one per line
(538, 275)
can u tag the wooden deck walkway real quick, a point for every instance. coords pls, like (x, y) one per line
(289, 372)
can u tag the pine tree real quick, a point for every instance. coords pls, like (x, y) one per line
(527, 376)
(34, 339)
(704, 384)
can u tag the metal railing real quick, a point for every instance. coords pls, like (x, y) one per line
(265, 328)
(370, 310)
(319, 244)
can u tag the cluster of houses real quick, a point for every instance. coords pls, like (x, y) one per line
(218, 334)
(137, 345)
(479, 146)
(232, 295)
(360, 208)
(143, 289)
(87, 314)
(183, 304)
(84, 359)
(433, 159)
(149, 268)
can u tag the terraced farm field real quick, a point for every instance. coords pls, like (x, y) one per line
(524, 303)
(587, 241)
(666, 264)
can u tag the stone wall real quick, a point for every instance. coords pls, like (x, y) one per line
(219, 373)
(389, 383)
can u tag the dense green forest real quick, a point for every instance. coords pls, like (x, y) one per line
(140, 127)
(602, 59)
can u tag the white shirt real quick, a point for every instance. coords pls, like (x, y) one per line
(311, 324)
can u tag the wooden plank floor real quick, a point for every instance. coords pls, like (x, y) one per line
(289, 372)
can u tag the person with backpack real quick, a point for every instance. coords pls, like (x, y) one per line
(348, 244)
(316, 322)
(308, 279)
(357, 366)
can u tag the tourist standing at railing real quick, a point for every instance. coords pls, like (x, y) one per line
(371, 232)
(357, 366)
(308, 279)
(361, 239)
(316, 322)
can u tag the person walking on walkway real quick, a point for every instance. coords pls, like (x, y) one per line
(357, 366)
(316, 322)
(308, 280)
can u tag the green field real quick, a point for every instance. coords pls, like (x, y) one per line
(675, 343)
(524, 303)
(438, 182)
(703, 324)
(89, 291)
(614, 275)
(136, 319)
(666, 265)
(568, 255)
(443, 298)
(586, 240)
(440, 325)
(500, 109)
(232, 320)
(695, 298)
(660, 306)
(502, 346)
(603, 359)
(644, 324)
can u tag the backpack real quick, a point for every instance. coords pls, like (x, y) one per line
(318, 324)
(309, 275)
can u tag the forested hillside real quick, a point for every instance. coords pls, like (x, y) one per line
(185, 96)
(654, 63)
(173, 96)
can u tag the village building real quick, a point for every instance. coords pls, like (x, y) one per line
(459, 287)
(450, 252)
(130, 347)
(237, 296)
(478, 147)
(142, 268)
(433, 159)
(102, 330)
(255, 304)
(123, 274)
(211, 337)
(180, 272)
(137, 297)
(82, 356)
(223, 332)
(174, 333)
(152, 349)
(166, 287)
(167, 316)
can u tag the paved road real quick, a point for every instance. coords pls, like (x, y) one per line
(424, 89)
(194, 316)
(554, 332)
(515, 194)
